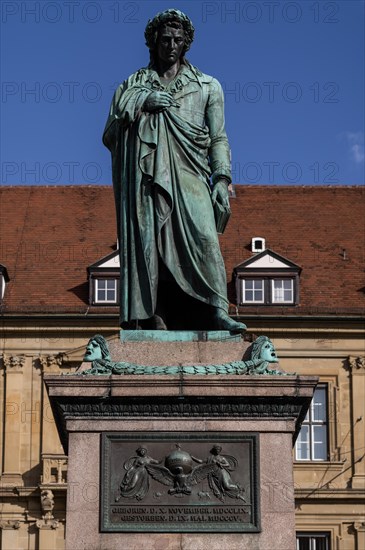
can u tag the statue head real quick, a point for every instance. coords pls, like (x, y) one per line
(263, 349)
(216, 450)
(168, 19)
(141, 451)
(97, 348)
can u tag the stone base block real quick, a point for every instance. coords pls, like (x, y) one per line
(268, 408)
(163, 348)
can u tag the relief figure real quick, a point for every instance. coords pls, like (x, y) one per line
(135, 483)
(220, 480)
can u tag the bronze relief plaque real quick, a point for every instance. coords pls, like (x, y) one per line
(179, 482)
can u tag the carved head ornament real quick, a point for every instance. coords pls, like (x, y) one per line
(263, 349)
(97, 348)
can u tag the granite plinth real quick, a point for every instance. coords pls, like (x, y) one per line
(271, 406)
(164, 348)
(179, 336)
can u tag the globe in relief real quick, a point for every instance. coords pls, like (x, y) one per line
(179, 461)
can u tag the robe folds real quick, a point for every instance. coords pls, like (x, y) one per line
(162, 163)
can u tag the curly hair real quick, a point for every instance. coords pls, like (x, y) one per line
(173, 18)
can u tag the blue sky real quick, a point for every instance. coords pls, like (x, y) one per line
(292, 72)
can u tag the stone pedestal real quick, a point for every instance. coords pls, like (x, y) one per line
(268, 408)
(47, 533)
(9, 533)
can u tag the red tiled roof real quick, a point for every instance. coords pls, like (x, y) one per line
(50, 235)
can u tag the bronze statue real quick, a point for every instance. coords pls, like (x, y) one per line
(166, 134)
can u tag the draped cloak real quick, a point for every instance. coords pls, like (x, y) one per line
(161, 164)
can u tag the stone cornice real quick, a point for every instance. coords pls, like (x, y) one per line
(316, 494)
(31, 492)
(65, 322)
(320, 466)
(179, 385)
(175, 396)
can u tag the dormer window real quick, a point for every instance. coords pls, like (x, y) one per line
(104, 281)
(267, 279)
(282, 291)
(106, 291)
(253, 291)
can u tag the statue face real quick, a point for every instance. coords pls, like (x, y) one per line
(93, 351)
(268, 353)
(170, 45)
(142, 451)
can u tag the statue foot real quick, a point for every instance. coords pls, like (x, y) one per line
(158, 323)
(222, 321)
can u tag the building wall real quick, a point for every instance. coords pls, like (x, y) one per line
(329, 494)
